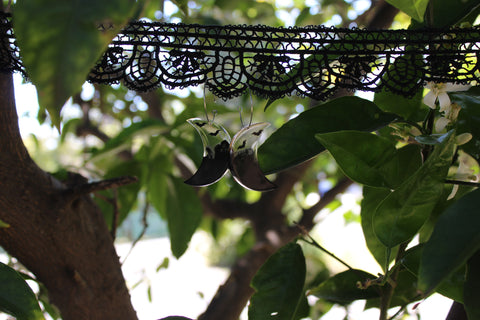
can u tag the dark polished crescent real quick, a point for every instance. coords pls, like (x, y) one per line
(243, 159)
(211, 169)
(216, 143)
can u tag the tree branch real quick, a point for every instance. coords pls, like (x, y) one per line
(86, 188)
(308, 216)
(66, 246)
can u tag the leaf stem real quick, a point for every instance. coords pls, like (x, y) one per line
(388, 290)
(413, 124)
(463, 183)
(316, 244)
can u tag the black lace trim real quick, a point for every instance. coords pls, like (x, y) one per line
(275, 62)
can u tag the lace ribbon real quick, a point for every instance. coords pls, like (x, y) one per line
(274, 62)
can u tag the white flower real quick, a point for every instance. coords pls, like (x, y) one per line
(465, 171)
(463, 138)
(441, 123)
(450, 115)
(438, 92)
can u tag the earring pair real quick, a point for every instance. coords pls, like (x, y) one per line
(239, 154)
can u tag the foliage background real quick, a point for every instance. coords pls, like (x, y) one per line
(110, 131)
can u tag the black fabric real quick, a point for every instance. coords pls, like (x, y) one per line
(274, 62)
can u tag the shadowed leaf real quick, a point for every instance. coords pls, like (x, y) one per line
(279, 285)
(295, 141)
(60, 41)
(454, 239)
(16, 297)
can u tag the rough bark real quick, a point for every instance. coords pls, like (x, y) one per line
(59, 235)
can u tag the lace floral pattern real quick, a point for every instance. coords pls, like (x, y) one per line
(310, 61)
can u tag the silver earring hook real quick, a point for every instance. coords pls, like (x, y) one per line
(205, 102)
(251, 106)
(251, 110)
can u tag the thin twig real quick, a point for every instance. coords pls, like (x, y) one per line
(113, 183)
(463, 183)
(387, 293)
(142, 233)
(316, 244)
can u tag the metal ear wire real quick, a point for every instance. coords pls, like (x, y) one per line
(243, 163)
(251, 106)
(216, 141)
(251, 110)
(205, 101)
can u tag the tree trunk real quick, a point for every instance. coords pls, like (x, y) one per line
(58, 234)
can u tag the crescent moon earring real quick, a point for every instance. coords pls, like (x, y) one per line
(216, 141)
(244, 164)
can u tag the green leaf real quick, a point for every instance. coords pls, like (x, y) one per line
(432, 139)
(372, 197)
(451, 287)
(60, 42)
(447, 12)
(279, 285)
(414, 8)
(184, 213)
(455, 238)
(359, 154)
(16, 297)
(156, 175)
(295, 141)
(471, 291)
(469, 118)
(406, 161)
(4, 224)
(123, 140)
(405, 291)
(158, 190)
(402, 213)
(342, 288)
(394, 103)
(126, 196)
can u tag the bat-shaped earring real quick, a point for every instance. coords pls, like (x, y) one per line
(243, 159)
(216, 142)
(239, 155)
(243, 156)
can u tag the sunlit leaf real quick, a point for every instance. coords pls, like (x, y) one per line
(402, 213)
(414, 8)
(454, 239)
(16, 297)
(156, 176)
(394, 103)
(124, 197)
(4, 224)
(359, 154)
(343, 287)
(184, 212)
(60, 41)
(123, 140)
(295, 141)
(164, 265)
(279, 285)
